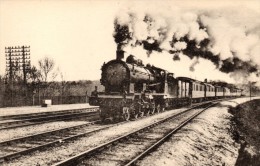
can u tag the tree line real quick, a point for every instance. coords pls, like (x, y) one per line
(44, 82)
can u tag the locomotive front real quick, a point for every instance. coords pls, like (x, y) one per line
(124, 84)
(126, 77)
(115, 75)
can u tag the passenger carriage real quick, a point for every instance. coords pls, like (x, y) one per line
(209, 91)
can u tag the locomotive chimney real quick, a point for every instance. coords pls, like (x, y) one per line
(120, 54)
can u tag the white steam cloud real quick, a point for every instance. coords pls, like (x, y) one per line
(232, 47)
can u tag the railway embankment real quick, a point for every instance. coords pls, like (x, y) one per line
(208, 140)
(246, 124)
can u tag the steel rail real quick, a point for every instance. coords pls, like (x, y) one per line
(76, 159)
(20, 116)
(48, 144)
(44, 133)
(166, 137)
(41, 120)
(21, 139)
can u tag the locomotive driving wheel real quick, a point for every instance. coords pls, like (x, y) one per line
(158, 108)
(147, 112)
(126, 113)
(141, 114)
(162, 109)
(101, 115)
(152, 110)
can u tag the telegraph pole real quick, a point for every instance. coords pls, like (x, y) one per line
(17, 62)
(18, 59)
(9, 70)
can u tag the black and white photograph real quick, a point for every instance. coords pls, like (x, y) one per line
(129, 82)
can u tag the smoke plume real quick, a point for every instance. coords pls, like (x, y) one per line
(232, 49)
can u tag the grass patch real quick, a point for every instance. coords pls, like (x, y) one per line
(246, 131)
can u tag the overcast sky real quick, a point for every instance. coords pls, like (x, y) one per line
(78, 34)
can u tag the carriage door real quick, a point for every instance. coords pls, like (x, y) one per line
(183, 89)
(205, 90)
(180, 88)
(187, 89)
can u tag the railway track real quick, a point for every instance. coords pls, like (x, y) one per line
(21, 146)
(17, 147)
(129, 148)
(39, 118)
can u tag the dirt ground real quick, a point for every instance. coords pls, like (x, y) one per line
(246, 122)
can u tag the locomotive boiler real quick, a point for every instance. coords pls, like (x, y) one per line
(131, 89)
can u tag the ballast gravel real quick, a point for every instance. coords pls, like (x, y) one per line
(30, 130)
(206, 141)
(66, 150)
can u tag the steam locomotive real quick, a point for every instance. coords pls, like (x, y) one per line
(133, 90)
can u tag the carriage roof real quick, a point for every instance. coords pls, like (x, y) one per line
(187, 79)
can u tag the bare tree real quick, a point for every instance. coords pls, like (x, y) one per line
(47, 70)
(46, 66)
